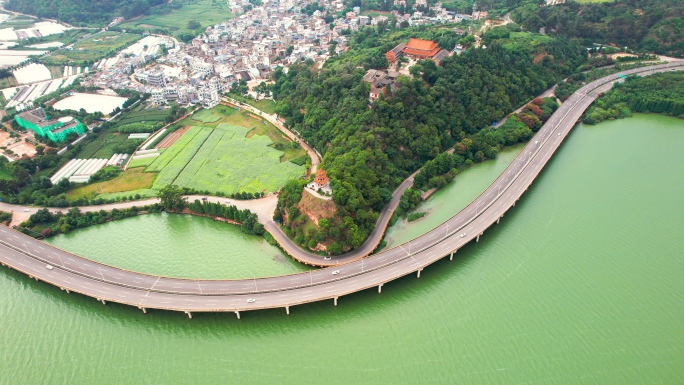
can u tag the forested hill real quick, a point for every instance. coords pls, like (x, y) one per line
(91, 12)
(654, 26)
(368, 152)
(660, 93)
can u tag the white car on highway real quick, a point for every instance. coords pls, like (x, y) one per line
(251, 300)
(336, 272)
(49, 267)
(463, 235)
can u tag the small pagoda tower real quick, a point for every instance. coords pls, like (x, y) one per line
(321, 180)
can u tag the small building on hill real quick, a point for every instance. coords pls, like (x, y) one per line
(394, 54)
(321, 180)
(55, 129)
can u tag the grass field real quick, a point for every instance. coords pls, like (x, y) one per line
(131, 179)
(8, 82)
(141, 162)
(266, 105)
(104, 146)
(235, 153)
(143, 193)
(226, 161)
(524, 39)
(146, 116)
(92, 49)
(280, 141)
(205, 12)
(19, 22)
(175, 158)
(205, 116)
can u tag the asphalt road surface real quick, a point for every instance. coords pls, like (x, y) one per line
(109, 284)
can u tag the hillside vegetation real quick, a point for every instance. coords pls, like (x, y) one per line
(654, 26)
(368, 152)
(87, 12)
(659, 93)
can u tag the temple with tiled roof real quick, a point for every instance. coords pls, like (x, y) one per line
(417, 49)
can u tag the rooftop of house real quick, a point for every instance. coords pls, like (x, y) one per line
(441, 55)
(422, 45)
(35, 116)
(373, 75)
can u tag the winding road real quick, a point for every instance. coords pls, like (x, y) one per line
(72, 273)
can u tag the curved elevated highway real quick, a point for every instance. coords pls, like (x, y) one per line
(105, 283)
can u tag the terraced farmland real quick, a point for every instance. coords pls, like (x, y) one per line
(223, 160)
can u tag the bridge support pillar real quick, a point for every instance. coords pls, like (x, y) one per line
(478, 238)
(143, 309)
(287, 310)
(497, 220)
(419, 272)
(103, 302)
(67, 290)
(189, 314)
(237, 313)
(379, 288)
(335, 299)
(451, 258)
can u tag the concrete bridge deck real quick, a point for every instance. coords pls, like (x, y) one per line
(110, 284)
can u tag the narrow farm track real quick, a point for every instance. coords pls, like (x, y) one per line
(110, 284)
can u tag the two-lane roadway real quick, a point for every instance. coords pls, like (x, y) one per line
(110, 284)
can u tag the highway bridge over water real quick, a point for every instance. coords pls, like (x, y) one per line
(72, 273)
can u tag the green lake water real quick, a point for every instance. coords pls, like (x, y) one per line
(582, 282)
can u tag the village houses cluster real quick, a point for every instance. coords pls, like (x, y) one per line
(246, 48)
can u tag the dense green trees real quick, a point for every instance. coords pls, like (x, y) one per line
(660, 93)
(368, 151)
(648, 25)
(172, 198)
(44, 223)
(248, 220)
(91, 12)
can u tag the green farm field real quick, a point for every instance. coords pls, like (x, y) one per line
(205, 116)
(106, 145)
(266, 105)
(224, 160)
(131, 179)
(205, 12)
(229, 115)
(141, 162)
(93, 48)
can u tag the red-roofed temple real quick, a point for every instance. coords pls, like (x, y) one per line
(416, 48)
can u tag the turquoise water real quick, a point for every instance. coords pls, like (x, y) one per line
(580, 283)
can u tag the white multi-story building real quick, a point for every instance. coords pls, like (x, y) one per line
(158, 96)
(209, 97)
(156, 79)
(202, 67)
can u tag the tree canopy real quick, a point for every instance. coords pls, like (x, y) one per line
(369, 151)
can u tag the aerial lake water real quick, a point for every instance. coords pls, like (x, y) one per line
(580, 283)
